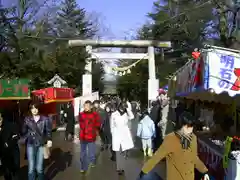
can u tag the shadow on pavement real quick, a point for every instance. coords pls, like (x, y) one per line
(58, 162)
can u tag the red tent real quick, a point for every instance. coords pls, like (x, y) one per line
(50, 97)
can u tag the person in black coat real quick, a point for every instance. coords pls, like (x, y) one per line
(106, 126)
(155, 115)
(69, 133)
(155, 112)
(9, 149)
(109, 108)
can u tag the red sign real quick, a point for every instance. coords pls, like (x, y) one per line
(236, 85)
(54, 94)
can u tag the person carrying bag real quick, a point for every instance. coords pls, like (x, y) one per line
(37, 131)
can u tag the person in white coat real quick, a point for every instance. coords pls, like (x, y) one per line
(121, 135)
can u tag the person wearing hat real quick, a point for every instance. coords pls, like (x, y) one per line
(180, 150)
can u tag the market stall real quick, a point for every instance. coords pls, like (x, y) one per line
(14, 96)
(50, 98)
(213, 78)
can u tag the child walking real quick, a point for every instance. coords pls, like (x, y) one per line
(146, 131)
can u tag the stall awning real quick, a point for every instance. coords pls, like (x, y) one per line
(49, 95)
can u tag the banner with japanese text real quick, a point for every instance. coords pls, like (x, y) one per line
(14, 89)
(224, 72)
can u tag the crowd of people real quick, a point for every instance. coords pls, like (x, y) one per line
(112, 122)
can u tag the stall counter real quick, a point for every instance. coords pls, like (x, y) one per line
(212, 157)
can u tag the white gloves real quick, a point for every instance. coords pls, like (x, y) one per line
(49, 144)
(206, 177)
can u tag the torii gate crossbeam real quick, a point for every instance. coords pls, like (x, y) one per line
(153, 83)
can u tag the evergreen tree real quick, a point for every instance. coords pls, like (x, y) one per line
(72, 21)
(182, 22)
(33, 49)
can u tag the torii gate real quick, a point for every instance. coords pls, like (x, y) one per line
(153, 83)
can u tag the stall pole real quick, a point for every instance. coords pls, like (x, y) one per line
(234, 105)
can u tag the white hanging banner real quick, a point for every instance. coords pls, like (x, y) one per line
(86, 84)
(153, 86)
(79, 101)
(224, 71)
(77, 106)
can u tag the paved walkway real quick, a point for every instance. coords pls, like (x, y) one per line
(64, 163)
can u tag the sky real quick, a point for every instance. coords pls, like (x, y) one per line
(122, 17)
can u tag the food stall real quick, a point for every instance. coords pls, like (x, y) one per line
(14, 96)
(213, 77)
(50, 97)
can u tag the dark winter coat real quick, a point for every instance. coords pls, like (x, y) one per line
(103, 116)
(37, 133)
(155, 113)
(9, 150)
(70, 120)
(106, 125)
(9, 136)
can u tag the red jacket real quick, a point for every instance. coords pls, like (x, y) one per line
(89, 123)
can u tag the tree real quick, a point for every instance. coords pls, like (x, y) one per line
(183, 23)
(36, 43)
(226, 24)
(72, 22)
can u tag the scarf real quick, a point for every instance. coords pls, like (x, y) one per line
(185, 140)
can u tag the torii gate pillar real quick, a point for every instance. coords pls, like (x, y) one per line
(153, 83)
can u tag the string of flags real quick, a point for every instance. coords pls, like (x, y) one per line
(121, 71)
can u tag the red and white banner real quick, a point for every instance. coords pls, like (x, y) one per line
(49, 95)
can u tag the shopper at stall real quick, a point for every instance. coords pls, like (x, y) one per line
(89, 122)
(9, 150)
(180, 150)
(37, 130)
(121, 135)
